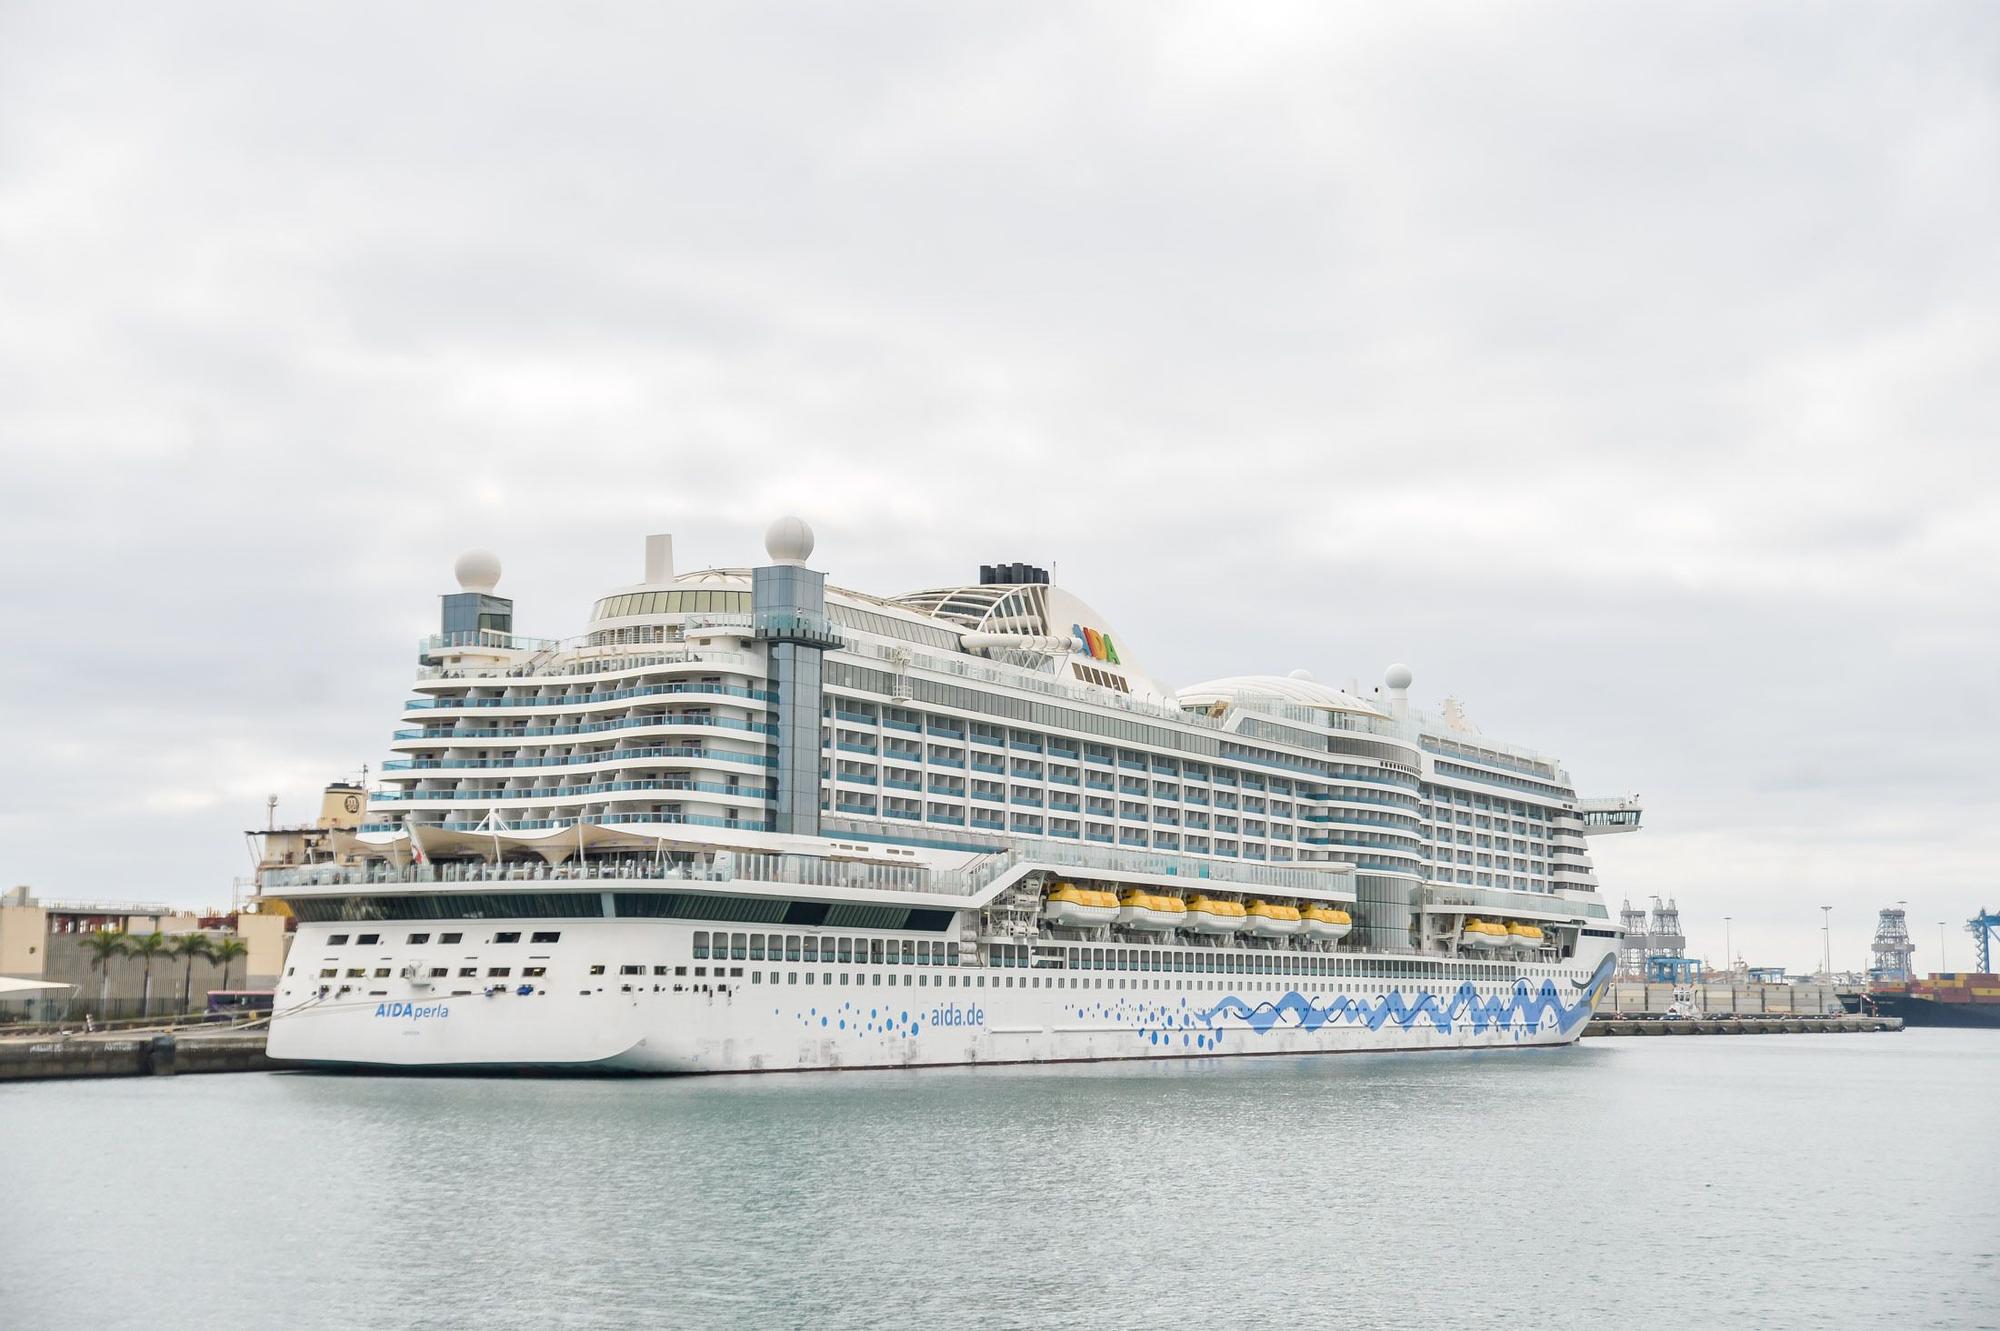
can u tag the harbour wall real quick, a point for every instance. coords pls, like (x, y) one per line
(1743, 1000)
(142, 1055)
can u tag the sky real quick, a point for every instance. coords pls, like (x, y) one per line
(1629, 371)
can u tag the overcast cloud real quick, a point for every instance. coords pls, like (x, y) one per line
(1628, 371)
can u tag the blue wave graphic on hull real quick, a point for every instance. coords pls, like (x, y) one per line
(1523, 1009)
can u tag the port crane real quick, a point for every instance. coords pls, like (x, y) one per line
(1983, 927)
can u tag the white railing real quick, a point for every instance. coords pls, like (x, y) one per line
(708, 867)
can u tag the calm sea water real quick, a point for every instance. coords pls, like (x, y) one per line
(1794, 1181)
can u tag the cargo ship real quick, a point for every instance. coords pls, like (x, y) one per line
(1959, 999)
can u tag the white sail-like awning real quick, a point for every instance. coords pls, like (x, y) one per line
(9, 986)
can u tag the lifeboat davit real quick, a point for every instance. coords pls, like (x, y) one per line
(1525, 937)
(1074, 907)
(1205, 915)
(1268, 920)
(1325, 923)
(1151, 911)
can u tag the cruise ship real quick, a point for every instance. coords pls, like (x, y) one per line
(747, 821)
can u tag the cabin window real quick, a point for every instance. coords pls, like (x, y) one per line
(499, 972)
(812, 948)
(414, 939)
(331, 972)
(663, 970)
(546, 937)
(507, 938)
(631, 970)
(700, 949)
(449, 938)
(369, 938)
(756, 947)
(844, 948)
(468, 972)
(875, 951)
(439, 972)
(533, 972)
(738, 944)
(597, 969)
(336, 940)
(381, 972)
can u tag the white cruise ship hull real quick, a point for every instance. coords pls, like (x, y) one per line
(849, 1016)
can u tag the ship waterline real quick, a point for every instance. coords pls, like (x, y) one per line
(750, 822)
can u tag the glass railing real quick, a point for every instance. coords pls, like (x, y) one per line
(1327, 878)
(708, 866)
(1451, 896)
(582, 657)
(560, 792)
(489, 638)
(665, 721)
(582, 699)
(616, 755)
(1362, 843)
(802, 625)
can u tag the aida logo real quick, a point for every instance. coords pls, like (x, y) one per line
(413, 1011)
(1097, 644)
(953, 1015)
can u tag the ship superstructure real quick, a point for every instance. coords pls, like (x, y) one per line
(750, 821)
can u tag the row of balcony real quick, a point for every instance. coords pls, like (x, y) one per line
(691, 687)
(686, 754)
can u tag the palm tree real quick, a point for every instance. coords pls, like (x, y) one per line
(187, 947)
(146, 947)
(225, 950)
(103, 945)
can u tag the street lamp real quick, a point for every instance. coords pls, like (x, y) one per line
(1728, 956)
(1826, 941)
(1941, 966)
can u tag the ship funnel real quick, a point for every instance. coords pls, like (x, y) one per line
(659, 559)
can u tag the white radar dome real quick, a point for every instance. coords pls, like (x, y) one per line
(789, 540)
(1398, 677)
(1303, 674)
(477, 570)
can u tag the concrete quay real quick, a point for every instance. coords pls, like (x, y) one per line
(1611, 1023)
(134, 1054)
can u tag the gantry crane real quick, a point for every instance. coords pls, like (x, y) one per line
(1983, 927)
